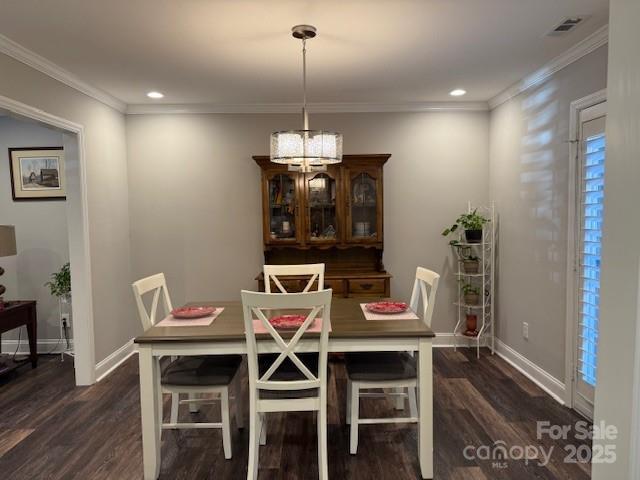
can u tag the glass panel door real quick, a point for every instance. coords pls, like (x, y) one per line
(322, 223)
(364, 207)
(282, 207)
(591, 169)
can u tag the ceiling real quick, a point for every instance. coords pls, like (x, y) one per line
(241, 51)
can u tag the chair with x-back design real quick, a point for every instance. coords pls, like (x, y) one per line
(389, 370)
(273, 273)
(288, 380)
(197, 376)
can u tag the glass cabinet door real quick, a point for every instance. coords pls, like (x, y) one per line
(321, 220)
(363, 207)
(282, 207)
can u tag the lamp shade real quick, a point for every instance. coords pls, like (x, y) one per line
(313, 147)
(7, 241)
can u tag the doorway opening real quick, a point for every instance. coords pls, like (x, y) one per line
(50, 231)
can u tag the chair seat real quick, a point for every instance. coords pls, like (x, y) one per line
(380, 366)
(288, 371)
(201, 370)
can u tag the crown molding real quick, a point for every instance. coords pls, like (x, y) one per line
(594, 41)
(32, 59)
(158, 109)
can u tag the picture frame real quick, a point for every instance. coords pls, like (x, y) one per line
(37, 173)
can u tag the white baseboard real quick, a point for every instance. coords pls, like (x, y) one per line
(537, 375)
(45, 345)
(113, 361)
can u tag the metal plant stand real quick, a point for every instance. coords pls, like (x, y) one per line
(484, 279)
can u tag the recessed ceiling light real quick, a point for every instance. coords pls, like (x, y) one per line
(458, 92)
(155, 95)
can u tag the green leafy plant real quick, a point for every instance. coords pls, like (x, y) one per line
(468, 221)
(467, 288)
(60, 284)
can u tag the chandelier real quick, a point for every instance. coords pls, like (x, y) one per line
(306, 150)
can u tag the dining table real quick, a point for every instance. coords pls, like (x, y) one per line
(350, 332)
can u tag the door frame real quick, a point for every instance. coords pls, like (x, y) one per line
(78, 231)
(573, 213)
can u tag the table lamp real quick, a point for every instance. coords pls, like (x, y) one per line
(7, 249)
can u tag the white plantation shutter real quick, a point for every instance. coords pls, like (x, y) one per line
(590, 248)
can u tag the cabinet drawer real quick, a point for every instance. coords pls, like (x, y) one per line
(336, 284)
(367, 286)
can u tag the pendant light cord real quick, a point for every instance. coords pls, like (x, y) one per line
(304, 84)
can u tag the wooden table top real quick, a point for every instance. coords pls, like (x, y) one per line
(347, 321)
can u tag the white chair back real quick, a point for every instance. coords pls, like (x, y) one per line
(158, 285)
(272, 272)
(319, 305)
(425, 288)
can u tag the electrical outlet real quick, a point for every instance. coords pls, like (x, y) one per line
(64, 318)
(525, 330)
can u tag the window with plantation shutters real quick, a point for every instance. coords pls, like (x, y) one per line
(590, 251)
(589, 219)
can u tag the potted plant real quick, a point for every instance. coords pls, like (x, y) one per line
(60, 284)
(472, 325)
(472, 224)
(471, 294)
(470, 264)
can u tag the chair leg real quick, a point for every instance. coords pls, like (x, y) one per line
(175, 403)
(254, 443)
(263, 428)
(348, 401)
(239, 409)
(194, 407)
(413, 402)
(226, 430)
(323, 463)
(399, 399)
(355, 404)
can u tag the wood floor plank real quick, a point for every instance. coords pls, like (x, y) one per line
(9, 438)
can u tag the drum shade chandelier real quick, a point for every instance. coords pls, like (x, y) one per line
(306, 150)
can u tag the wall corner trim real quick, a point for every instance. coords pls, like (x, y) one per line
(536, 374)
(113, 361)
(32, 59)
(594, 41)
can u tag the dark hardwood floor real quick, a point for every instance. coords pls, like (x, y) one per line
(50, 429)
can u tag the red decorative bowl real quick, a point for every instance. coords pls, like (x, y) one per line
(387, 307)
(192, 312)
(287, 322)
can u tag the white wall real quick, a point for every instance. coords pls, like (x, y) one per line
(619, 346)
(195, 201)
(41, 231)
(115, 320)
(529, 158)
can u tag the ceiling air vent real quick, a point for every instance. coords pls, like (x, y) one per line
(567, 25)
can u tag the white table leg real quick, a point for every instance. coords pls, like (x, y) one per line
(150, 398)
(425, 398)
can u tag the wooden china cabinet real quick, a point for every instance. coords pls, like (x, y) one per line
(333, 217)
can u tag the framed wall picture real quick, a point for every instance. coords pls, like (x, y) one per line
(37, 173)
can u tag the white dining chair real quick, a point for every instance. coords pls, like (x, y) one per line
(287, 381)
(273, 272)
(389, 370)
(195, 376)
